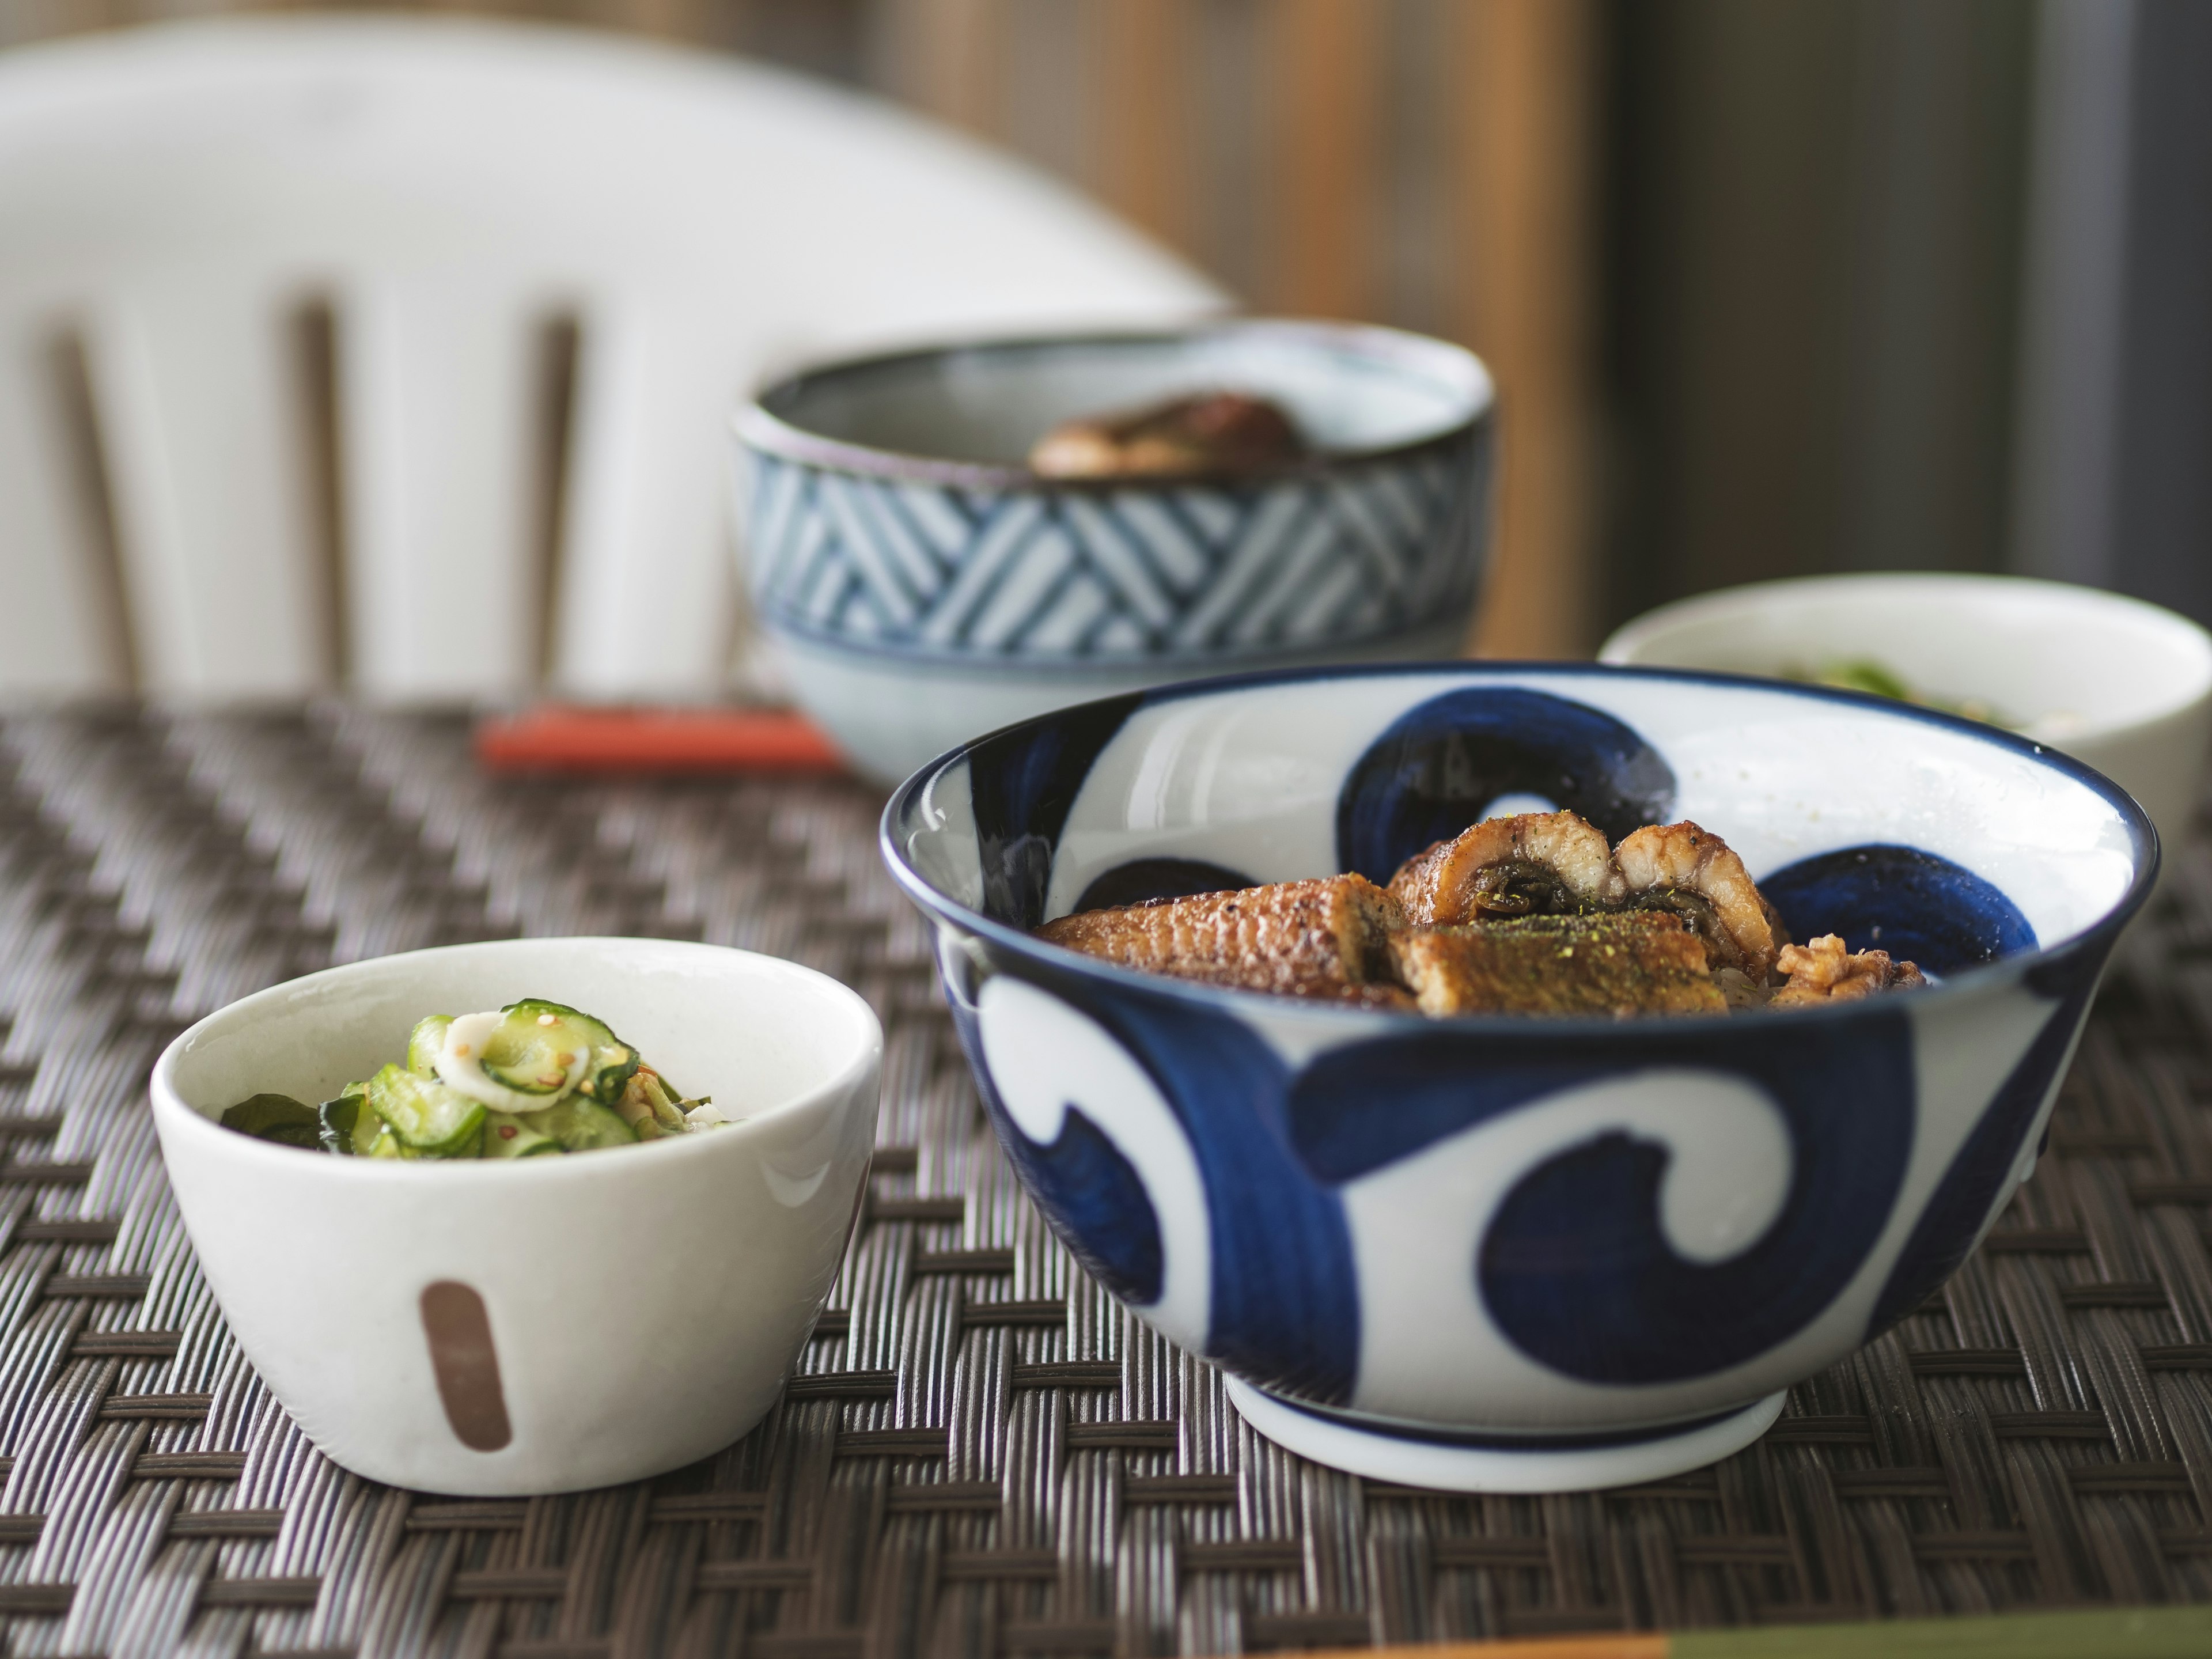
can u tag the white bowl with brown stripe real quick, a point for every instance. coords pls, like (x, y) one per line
(497, 1329)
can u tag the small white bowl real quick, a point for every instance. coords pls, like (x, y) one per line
(2121, 685)
(493, 1330)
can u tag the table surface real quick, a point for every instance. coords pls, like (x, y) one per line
(980, 1453)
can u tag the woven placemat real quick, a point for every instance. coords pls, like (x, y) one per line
(982, 1454)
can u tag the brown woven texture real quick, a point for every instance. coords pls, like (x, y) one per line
(980, 1453)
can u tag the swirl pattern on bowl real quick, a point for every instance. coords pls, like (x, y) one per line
(1506, 1228)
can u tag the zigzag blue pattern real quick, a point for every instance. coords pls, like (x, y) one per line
(1158, 572)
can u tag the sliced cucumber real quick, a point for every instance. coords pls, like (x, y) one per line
(385, 1143)
(424, 1041)
(506, 1135)
(534, 1052)
(612, 1060)
(368, 1128)
(280, 1118)
(582, 1125)
(425, 1114)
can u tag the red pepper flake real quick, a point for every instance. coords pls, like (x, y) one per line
(506, 1132)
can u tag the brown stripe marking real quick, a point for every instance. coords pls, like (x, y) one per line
(466, 1363)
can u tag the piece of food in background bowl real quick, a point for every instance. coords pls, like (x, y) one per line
(920, 581)
(1490, 1251)
(1208, 432)
(2120, 685)
(1877, 678)
(478, 1326)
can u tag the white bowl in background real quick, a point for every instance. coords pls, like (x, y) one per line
(2119, 684)
(596, 1318)
(921, 584)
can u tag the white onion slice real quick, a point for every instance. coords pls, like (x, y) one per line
(460, 1067)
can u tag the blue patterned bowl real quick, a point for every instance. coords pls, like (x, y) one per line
(921, 584)
(1509, 1253)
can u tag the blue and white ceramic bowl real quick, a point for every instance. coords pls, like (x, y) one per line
(920, 584)
(1505, 1253)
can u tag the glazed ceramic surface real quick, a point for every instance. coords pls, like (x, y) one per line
(556, 1323)
(2123, 686)
(1519, 1254)
(917, 574)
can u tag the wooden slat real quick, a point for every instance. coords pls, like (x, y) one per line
(892, 1442)
(1179, 1489)
(1527, 97)
(841, 1385)
(486, 1514)
(1140, 97)
(923, 1496)
(99, 1287)
(1067, 1374)
(754, 1575)
(1325, 64)
(708, 1506)
(127, 1345)
(188, 1466)
(991, 1565)
(66, 1232)
(157, 1406)
(948, 57)
(917, 1209)
(964, 1262)
(260, 1592)
(226, 1523)
(1131, 1437)
(1044, 1311)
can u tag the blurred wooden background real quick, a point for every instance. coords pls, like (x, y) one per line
(1426, 163)
(1750, 271)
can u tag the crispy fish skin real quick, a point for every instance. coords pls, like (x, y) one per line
(1641, 962)
(1325, 938)
(1824, 971)
(1455, 881)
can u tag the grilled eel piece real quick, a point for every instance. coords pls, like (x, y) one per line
(1210, 432)
(1689, 870)
(1636, 961)
(1326, 938)
(1535, 864)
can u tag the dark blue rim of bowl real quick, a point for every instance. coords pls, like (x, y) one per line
(2142, 841)
(760, 428)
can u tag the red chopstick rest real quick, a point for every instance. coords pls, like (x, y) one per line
(561, 739)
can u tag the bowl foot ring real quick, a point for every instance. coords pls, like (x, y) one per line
(1469, 1460)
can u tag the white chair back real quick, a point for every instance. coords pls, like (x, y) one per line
(399, 353)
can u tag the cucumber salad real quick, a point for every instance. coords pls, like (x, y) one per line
(532, 1079)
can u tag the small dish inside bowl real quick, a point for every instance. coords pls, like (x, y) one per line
(499, 1328)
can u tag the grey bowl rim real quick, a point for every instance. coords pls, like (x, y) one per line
(762, 431)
